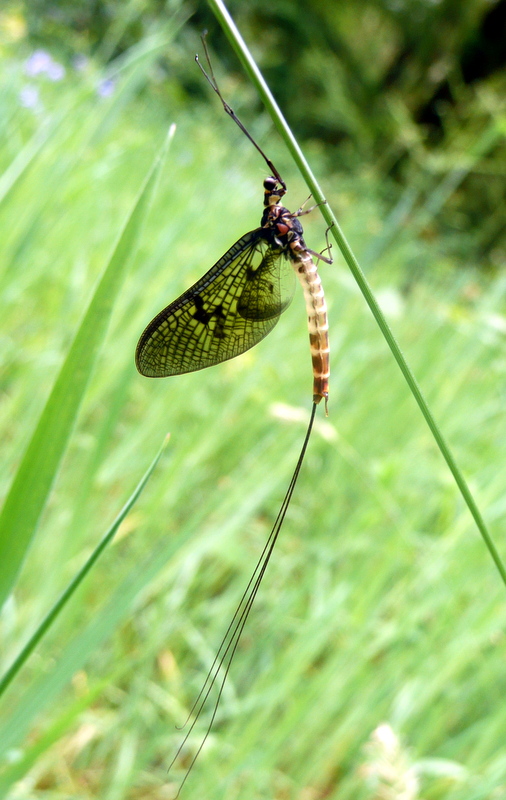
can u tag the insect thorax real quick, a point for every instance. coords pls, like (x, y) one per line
(283, 229)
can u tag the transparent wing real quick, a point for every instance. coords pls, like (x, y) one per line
(230, 309)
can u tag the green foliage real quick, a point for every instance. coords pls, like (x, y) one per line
(412, 89)
(34, 477)
(372, 664)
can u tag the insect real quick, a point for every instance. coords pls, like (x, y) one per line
(239, 301)
(229, 310)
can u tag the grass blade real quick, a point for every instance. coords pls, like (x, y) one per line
(78, 578)
(256, 77)
(32, 483)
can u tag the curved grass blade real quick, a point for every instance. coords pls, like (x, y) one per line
(220, 11)
(51, 616)
(32, 483)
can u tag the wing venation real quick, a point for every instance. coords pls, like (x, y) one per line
(230, 309)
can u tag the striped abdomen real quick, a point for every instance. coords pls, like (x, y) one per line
(317, 320)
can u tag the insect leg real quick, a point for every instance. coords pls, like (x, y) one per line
(328, 248)
(301, 213)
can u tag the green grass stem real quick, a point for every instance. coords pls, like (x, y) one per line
(258, 81)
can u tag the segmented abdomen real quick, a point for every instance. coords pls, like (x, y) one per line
(317, 319)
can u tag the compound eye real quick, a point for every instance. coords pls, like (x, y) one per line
(270, 184)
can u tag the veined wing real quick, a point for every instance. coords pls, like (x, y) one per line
(230, 309)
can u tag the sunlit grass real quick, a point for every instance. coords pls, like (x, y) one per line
(381, 606)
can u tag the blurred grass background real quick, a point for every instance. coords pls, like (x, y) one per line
(373, 662)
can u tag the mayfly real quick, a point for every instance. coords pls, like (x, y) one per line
(228, 311)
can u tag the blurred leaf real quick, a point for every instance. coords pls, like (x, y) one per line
(35, 475)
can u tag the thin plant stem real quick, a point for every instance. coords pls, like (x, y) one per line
(76, 581)
(246, 59)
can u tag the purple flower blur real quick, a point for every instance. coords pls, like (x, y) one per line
(42, 63)
(29, 97)
(106, 88)
(55, 71)
(37, 63)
